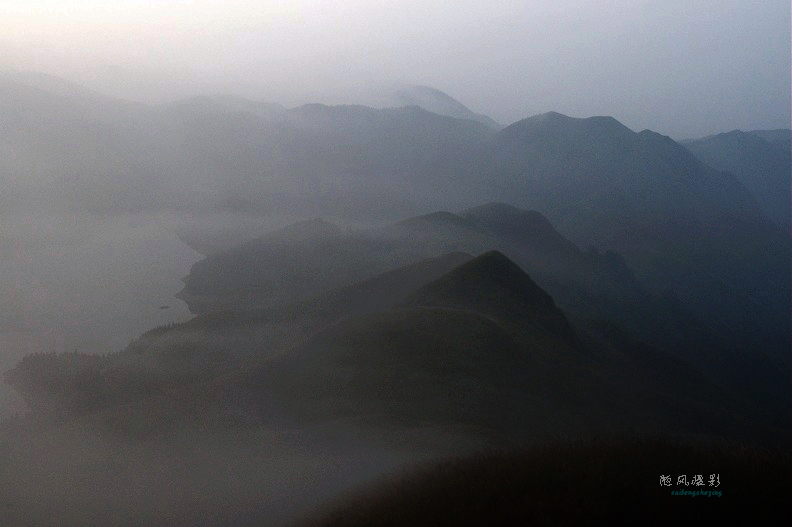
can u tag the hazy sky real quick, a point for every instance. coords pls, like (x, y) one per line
(681, 67)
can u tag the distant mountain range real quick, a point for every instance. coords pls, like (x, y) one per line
(761, 159)
(471, 286)
(438, 102)
(682, 227)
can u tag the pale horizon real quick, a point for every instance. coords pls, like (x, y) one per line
(679, 68)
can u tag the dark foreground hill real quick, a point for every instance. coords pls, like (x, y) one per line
(484, 347)
(435, 341)
(614, 482)
(207, 346)
(248, 418)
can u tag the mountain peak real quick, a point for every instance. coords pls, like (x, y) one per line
(554, 126)
(497, 212)
(526, 226)
(437, 218)
(436, 101)
(494, 207)
(492, 284)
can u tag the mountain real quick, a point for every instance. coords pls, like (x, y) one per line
(69, 149)
(207, 346)
(438, 102)
(680, 225)
(781, 138)
(233, 410)
(276, 267)
(447, 302)
(683, 229)
(761, 160)
(244, 156)
(276, 260)
(483, 348)
(93, 153)
(357, 162)
(295, 262)
(521, 226)
(552, 485)
(587, 285)
(407, 344)
(494, 285)
(626, 287)
(572, 168)
(390, 288)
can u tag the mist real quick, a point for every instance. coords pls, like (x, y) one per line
(88, 285)
(684, 69)
(254, 258)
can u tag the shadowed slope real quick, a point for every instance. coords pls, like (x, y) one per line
(494, 285)
(388, 289)
(484, 347)
(762, 164)
(614, 482)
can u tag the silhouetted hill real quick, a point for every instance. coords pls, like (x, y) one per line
(292, 263)
(268, 270)
(207, 346)
(478, 356)
(493, 285)
(571, 168)
(527, 227)
(280, 253)
(388, 289)
(403, 368)
(680, 225)
(443, 310)
(573, 483)
(482, 334)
